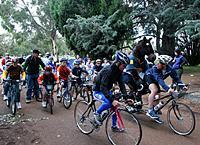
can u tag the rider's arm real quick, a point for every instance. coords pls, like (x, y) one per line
(159, 78)
(122, 86)
(41, 63)
(4, 75)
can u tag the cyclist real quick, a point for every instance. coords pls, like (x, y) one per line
(154, 77)
(63, 73)
(104, 83)
(13, 72)
(47, 78)
(5, 59)
(51, 63)
(78, 71)
(31, 66)
(98, 66)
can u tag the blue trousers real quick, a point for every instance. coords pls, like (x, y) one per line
(32, 85)
(106, 104)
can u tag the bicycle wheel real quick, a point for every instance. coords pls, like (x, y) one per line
(73, 92)
(51, 104)
(39, 98)
(67, 100)
(83, 117)
(13, 105)
(85, 94)
(181, 119)
(131, 131)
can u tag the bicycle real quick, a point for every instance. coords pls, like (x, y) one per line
(130, 128)
(84, 90)
(13, 91)
(49, 96)
(177, 113)
(65, 97)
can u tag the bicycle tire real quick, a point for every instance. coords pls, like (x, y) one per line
(39, 98)
(85, 95)
(13, 105)
(51, 104)
(131, 135)
(67, 101)
(80, 120)
(73, 92)
(176, 115)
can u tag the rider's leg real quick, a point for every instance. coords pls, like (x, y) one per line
(6, 88)
(106, 104)
(154, 89)
(30, 84)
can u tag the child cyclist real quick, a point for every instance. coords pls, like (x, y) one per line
(48, 77)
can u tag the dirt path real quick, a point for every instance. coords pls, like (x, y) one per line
(35, 126)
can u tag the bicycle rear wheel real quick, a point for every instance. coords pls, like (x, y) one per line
(83, 117)
(130, 134)
(181, 119)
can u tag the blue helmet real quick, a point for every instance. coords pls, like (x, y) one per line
(122, 57)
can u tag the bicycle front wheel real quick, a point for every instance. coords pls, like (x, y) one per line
(129, 129)
(51, 104)
(83, 117)
(181, 119)
(67, 99)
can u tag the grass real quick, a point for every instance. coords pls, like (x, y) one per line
(191, 69)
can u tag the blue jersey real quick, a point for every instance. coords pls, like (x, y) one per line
(160, 75)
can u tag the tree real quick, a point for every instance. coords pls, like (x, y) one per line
(35, 22)
(79, 31)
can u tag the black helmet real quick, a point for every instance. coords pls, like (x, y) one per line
(36, 51)
(122, 57)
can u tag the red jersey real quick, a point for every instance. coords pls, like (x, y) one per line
(64, 72)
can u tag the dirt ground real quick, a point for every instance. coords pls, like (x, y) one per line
(27, 127)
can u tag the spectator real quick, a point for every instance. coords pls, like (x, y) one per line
(31, 67)
(178, 62)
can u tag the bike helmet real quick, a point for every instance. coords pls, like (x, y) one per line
(122, 57)
(76, 62)
(164, 59)
(63, 59)
(48, 68)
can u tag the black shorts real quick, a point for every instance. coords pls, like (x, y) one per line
(150, 80)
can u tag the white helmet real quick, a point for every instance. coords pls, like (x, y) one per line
(164, 59)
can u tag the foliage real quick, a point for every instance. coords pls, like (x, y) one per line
(30, 24)
(93, 26)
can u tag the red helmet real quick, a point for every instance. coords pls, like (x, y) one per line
(48, 68)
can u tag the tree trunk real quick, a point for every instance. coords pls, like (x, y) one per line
(53, 42)
(168, 41)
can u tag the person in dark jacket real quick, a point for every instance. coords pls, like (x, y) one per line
(104, 82)
(31, 66)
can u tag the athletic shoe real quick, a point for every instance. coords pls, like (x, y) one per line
(5, 97)
(152, 114)
(116, 129)
(98, 118)
(44, 104)
(19, 106)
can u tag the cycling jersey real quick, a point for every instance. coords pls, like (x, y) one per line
(14, 73)
(106, 78)
(160, 75)
(64, 72)
(47, 78)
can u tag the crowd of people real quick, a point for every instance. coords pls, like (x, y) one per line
(104, 73)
